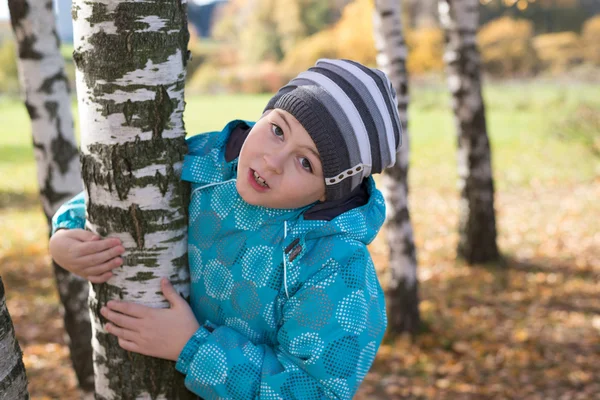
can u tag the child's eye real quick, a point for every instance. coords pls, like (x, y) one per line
(277, 131)
(305, 163)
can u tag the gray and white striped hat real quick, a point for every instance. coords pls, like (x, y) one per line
(351, 113)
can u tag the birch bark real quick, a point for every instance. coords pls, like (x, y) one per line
(477, 219)
(402, 289)
(130, 58)
(13, 381)
(47, 99)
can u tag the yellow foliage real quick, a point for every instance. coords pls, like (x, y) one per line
(309, 50)
(354, 32)
(425, 50)
(559, 51)
(590, 37)
(506, 47)
(351, 37)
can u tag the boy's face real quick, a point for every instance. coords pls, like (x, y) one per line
(279, 165)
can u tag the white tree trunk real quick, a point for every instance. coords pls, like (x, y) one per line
(47, 98)
(131, 58)
(13, 381)
(477, 219)
(402, 288)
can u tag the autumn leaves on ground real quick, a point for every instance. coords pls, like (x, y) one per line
(525, 328)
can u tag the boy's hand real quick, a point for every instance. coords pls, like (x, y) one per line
(85, 254)
(155, 332)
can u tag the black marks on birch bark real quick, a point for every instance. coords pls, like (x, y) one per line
(50, 194)
(163, 108)
(52, 109)
(26, 49)
(113, 166)
(134, 49)
(142, 276)
(149, 115)
(184, 35)
(63, 151)
(180, 262)
(19, 9)
(75, 12)
(162, 182)
(78, 60)
(39, 146)
(128, 112)
(137, 225)
(135, 221)
(46, 86)
(122, 173)
(31, 110)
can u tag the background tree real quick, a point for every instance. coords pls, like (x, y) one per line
(477, 219)
(47, 98)
(131, 58)
(402, 288)
(13, 380)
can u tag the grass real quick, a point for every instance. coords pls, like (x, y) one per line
(523, 120)
(528, 330)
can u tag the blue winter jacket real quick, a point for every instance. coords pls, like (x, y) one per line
(290, 308)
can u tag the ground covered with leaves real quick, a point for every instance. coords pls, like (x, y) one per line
(524, 328)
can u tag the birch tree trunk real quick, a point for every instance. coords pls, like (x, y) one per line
(13, 381)
(47, 98)
(130, 58)
(477, 220)
(402, 289)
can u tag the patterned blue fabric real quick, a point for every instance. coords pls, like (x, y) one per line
(70, 215)
(289, 308)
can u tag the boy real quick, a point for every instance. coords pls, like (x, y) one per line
(285, 302)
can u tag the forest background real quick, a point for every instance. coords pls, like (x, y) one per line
(528, 327)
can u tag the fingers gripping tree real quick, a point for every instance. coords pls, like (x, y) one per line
(13, 381)
(47, 98)
(477, 219)
(130, 58)
(402, 293)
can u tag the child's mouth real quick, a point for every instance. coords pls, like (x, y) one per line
(259, 180)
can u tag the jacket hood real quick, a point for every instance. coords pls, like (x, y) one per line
(360, 223)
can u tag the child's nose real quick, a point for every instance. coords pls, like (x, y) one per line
(274, 162)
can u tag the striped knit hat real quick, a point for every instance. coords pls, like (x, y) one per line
(351, 113)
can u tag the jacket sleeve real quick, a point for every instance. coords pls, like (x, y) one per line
(331, 330)
(70, 215)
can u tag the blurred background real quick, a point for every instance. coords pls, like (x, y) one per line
(527, 327)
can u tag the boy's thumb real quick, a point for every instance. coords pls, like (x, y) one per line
(84, 235)
(169, 291)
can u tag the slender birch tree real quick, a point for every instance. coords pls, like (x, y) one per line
(477, 219)
(131, 58)
(48, 102)
(402, 287)
(13, 380)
